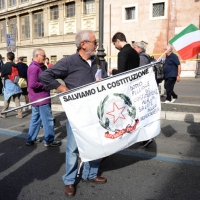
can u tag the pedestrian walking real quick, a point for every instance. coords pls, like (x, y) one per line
(172, 71)
(41, 111)
(128, 58)
(1, 65)
(23, 68)
(10, 88)
(47, 63)
(141, 50)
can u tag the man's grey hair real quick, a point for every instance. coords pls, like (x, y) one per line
(170, 47)
(140, 45)
(36, 52)
(82, 35)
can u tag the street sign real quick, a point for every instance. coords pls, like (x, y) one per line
(11, 42)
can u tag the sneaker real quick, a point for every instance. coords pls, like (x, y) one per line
(19, 116)
(167, 101)
(37, 141)
(146, 143)
(26, 108)
(55, 143)
(173, 100)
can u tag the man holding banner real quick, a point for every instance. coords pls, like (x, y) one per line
(76, 70)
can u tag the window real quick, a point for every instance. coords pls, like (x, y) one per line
(89, 6)
(158, 9)
(25, 59)
(2, 4)
(130, 13)
(23, 1)
(25, 27)
(2, 31)
(12, 2)
(38, 25)
(13, 26)
(53, 59)
(70, 9)
(54, 13)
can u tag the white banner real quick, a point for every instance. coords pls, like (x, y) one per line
(113, 114)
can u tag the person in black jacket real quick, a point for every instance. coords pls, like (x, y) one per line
(22, 68)
(10, 88)
(1, 65)
(128, 57)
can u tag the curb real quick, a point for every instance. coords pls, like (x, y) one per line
(167, 115)
(180, 116)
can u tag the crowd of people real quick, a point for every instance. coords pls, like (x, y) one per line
(75, 70)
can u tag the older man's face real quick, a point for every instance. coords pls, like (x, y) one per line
(91, 45)
(40, 57)
(168, 49)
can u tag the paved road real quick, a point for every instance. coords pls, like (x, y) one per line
(168, 169)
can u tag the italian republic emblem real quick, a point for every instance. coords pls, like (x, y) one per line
(117, 115)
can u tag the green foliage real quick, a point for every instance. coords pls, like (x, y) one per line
(102, 124)
(98, 112)
(126, 99)
(107, 122)
(132, 112)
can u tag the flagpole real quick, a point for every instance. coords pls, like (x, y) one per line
(75, 89)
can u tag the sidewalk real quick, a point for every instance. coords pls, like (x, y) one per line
(185, 108)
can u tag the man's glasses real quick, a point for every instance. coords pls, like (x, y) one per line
(44, 56)
(94, 42)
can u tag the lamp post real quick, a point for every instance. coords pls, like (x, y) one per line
(101, 50)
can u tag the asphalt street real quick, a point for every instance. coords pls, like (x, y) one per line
(169, 168)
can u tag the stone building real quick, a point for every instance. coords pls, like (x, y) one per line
(48, 24)
(52, 24)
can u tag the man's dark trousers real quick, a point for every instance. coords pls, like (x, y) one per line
(169, 86)
(1, 85)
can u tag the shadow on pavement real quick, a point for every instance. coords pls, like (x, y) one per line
(168, 131)
(45, 163)
(13, 150)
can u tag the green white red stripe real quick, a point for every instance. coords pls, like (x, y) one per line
(187, 42)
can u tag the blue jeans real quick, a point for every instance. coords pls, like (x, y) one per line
(41, 114)
(90, 169)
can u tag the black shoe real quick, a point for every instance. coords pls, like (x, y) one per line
(55, 143)
(146, 143)
(37, 141)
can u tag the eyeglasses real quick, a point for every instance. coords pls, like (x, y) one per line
(44, 56)
(94, 42)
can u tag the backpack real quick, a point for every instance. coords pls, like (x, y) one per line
(14, 76)
(158, 67)
(150, 58)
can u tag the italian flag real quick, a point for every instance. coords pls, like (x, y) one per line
(187, 42)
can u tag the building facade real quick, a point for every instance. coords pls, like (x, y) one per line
(52, 24)
(152, 21)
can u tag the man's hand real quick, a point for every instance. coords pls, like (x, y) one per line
(110, 70)
(178, 78)
(62, 88)
(98, 79)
